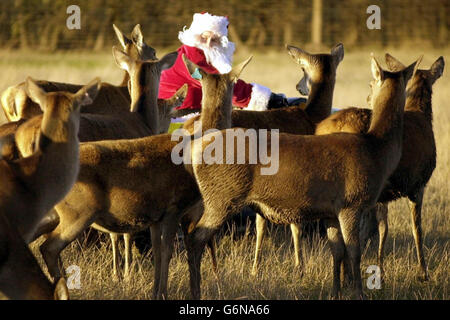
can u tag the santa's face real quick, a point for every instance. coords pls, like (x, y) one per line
(218, 50)
(209, 39)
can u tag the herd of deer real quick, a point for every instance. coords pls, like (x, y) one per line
(121, 179)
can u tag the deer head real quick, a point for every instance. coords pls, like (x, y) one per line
(136, 46)
(317, 68)
(144, 83)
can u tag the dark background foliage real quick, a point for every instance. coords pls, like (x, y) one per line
(41, 24)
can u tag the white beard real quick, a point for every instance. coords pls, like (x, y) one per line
(219, 56)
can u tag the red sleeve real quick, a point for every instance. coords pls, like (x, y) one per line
(242, 93)
(198, 57)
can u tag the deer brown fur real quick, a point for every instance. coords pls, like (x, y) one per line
(21, 277)
(336, 176)
(111, 99)
(415, 168)
(144, 80)
(143, 120)
(31, 186)
(320, 70)
(125, 186)
(318, 84)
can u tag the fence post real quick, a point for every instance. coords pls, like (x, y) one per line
(316, 24)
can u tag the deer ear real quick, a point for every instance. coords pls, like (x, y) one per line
(299, 55)
(124, 41)
(237, 70)
(168, 60)
(88, 93)
(392, 63)
(61, 291)
(437, 68)
(136, 36)
(410, 71)
(124, 61)
(377, 72)
(338, 52)
(36, 94)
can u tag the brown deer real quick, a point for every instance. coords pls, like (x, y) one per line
(21, 277)
(336, 176)
(118, 126)
(125, 186)
(319, 80)
(143, 120)
(415, 168)
(56, 156)
(110, 99)
(31, 186)
(100, 127)
(318, 84)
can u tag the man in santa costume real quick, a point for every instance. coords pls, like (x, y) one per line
(206, 44)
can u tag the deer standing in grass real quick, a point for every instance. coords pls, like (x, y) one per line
(31, 186)
(125, 186)
(145, 118)
(336, 176)
(419, 150)
(318, 84)
(108, 118)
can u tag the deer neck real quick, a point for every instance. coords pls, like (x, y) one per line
(58, 157)
(126, 78)
(49, 174)
(418, 99)
(387, 116)
(318, 105)
(216, 109)
(147, 107)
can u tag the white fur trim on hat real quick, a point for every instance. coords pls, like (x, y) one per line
(204, 22)
(207, 22)
(260, 97)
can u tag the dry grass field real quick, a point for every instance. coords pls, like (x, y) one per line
(277, 278)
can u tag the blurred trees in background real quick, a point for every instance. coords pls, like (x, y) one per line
(41, 24)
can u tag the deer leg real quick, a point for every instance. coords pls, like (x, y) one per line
(337, 250)
(212, 251)
(169, 230)
(416, 218)
(349, 225)
(382, 220)
(346, 270)
(113, 236)
(69, 228)
(155, 231)
(260, 229)
(368, 226)
(195, 248)
(46, 225)
(296, 230)
(196, 241)
(128, 255)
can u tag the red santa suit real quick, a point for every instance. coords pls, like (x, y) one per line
(252, 96)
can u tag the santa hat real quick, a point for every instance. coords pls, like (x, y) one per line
(204, 22)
